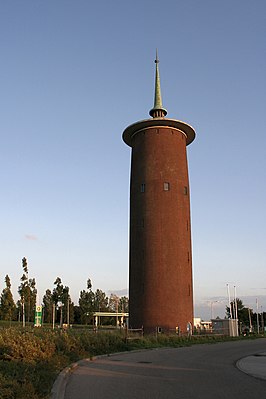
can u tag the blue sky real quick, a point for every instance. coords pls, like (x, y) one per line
(74, 74)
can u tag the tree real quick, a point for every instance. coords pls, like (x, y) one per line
(114, 302)
(242, 312)
(68, 307)
(48, 307)
(123, 304)
(86, 304)
(19, 310)
(77, 314)
(90, 302)
(63, 303)
(118, 304)
(57, 297)
(7, 304)
(258, 321)
(101, 304)
(27, 291)
(100, 301)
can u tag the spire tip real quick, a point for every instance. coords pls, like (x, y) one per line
(157, 111)
(157, 59)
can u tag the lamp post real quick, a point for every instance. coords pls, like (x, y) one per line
(262, 321)
(250, 322)
(68, 305)
(229, 301)
(53, 315)
(258, 322)
(236, 310)
(23, 312)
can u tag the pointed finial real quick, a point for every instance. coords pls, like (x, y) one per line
(157, 111)
(157, 59)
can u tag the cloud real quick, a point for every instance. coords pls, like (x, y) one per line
(30, 237)
(123, 292)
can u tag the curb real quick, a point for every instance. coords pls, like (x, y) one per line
(246, 365)
(243, 365)
(59, 386)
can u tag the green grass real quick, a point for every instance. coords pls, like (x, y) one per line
(31, 359)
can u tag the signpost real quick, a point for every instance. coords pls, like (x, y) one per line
(38, 316)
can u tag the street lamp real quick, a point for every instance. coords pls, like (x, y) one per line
(229, 301)
(258, 323)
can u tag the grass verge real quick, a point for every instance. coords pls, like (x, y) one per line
(31, 359)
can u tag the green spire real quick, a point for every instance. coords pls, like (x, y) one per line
(157, 111)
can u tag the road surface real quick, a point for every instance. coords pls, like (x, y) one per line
(198, 372)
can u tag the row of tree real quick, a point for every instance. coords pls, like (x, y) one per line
(59, 308)
(248, 321)
(57, 303)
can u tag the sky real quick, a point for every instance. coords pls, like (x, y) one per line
(74, 75)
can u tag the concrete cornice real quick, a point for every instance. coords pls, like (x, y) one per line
(133, 129)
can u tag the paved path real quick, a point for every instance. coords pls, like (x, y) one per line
(196, 372)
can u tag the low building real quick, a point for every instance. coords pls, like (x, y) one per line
(202, 325)
(226, 327)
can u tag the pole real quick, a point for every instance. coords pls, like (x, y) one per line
(250, 324)
(236, 312)
(53, 315)
(236, 315)
(229, 301)
(68, 300)
(23, 312)
(262, 320)
(258, 322)
(116, 308)
(61, 314)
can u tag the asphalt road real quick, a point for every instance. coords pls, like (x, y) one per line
(196, 372)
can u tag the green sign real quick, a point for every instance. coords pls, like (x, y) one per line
(38, 316)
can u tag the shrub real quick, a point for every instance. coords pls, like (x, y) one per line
(31, 359)
(15, 344)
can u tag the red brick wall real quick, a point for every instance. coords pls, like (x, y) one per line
(160, 287)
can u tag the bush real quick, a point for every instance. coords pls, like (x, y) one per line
(15, 344)
(30, 359)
